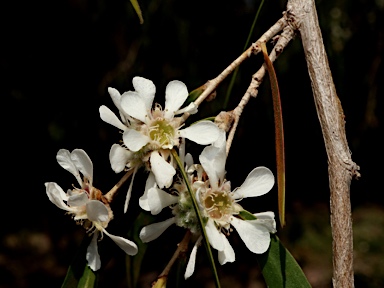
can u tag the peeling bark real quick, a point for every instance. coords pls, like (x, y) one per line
(302, 16)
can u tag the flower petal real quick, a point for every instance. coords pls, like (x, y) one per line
(213, 159)
(116, 97)
(192, 259)
(214, 236)
(56, 195)
(135, 140)
(119, 157)
(255, 236)
(97, 211)
(150, 183)
(152, 231)
(78, 199)
(228, 254)
(175, 95)
(267, 219)
(203, 132)
(109, 117)
(126, 245)
(92, 256)
(162, 170)
(83, 163)
(129, 192)
(146, 89)
(258, 182)
(63, 157)
(159, 199)
(134, 105)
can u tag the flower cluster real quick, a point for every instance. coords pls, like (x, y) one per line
(154, 138)
(86, 204)
(217, 203)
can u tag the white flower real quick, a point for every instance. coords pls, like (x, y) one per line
(150, 133)
(218, 205)
(86, 204)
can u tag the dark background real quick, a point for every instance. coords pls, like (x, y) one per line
(59, 57)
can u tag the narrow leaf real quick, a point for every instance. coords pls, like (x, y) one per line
(133, 263)
(279, 135)
(199, 217)
(136, 6)
(88, 279)
(279, 268)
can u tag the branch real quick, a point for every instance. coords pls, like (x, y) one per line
(302, 16)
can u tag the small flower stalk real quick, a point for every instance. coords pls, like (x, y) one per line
(86, 204)
(149, 133)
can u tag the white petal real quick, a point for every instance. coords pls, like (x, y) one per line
(228, 254)
(214, 236)
(175, 95)
(159, 199)
(78, 199)
(213, 160)
(108, 116)
(129, 192)
(191, 109)
(162, 170)
(258, 182)
(134, 105)
(63, 157)
(192, 259)
(152, 231)
(203, 132)
(267, 219)
(150, 183)
(119, 157)
(255, 236)
(97, 211)
(92, 256)
(126, 245)
(115, 96)
(135, 140)
(56, 195)
(83, 163)
(146, 89)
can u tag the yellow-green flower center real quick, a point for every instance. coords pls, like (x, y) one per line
(162, 132)
(218, 204)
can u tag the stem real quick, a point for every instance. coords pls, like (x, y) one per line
(181, 248)
(111, 193)
(198, 214)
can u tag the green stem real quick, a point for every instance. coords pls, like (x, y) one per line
(197, 211)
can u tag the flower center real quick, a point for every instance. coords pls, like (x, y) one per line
(162, 132)
(218, 204)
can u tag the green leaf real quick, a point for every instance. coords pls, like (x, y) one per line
(79, 274)
(279, 268)
(136, 6)
(88, 280)
(133, 263)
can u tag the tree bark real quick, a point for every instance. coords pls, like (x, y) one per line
(302, 16)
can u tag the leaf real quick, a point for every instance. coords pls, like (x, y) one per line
(88, 279)
(136, 6)
(79, 274)
(279, 268)
(133, 263)
(279, 135)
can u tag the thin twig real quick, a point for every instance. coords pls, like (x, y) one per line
(111, 193)
(252, 91)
